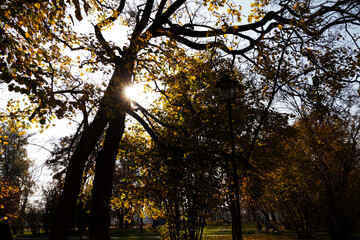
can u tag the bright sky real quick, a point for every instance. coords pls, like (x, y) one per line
(42, 142)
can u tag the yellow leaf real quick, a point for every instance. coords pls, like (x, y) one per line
(6, 15)
(27, 35)
(37, 5)
(51, 21)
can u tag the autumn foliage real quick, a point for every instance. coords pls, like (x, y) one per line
(290, 54)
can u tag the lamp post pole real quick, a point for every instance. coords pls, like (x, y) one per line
(227, 89)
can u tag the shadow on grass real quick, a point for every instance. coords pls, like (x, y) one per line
(210, 233)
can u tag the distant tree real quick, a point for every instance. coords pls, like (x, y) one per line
(327, 133)
(309, 174)
(14, 168)
(48, 206)
(58, 162)
(8, 191)
(128, 198)
(33, 218)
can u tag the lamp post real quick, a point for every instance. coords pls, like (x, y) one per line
(227, 87)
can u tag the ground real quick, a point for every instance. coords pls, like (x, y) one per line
(210, 233)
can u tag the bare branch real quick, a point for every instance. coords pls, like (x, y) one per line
(274, 91)
(160, 8)
(114, 16)
(140, 26)
(145, 112)
(164, 17)
(143, 123)
(189, 32)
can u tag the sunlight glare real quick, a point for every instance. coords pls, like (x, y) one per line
(134, 92)
(141, 93)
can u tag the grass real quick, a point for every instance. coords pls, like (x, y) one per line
(131, 233)
(28, 234)
(250, 233)
(210, 233)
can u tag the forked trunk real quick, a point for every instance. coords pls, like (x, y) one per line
(102, 189)
(112, 109)
(74, 177)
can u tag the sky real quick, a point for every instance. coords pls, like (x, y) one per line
(41, 143)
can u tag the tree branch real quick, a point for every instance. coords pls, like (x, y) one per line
(146, 126)
(160, 8)
(140, 26)
(189, 32)
(145, 112)
(164, 17)
(275, 89)
(105, 22)
(114, 16)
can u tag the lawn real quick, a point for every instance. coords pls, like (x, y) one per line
(250, 232)
(210, 233)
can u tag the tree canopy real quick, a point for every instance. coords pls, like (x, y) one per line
(288, 45)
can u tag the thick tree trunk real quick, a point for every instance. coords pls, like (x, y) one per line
(109, 108)
(116, 107)
(5, 232)
(74, 176)
(102, 188)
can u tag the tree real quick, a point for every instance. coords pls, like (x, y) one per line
(312, 182)
(49, 205)
(31, 60)
(194, 163)
(14, 169)
(130, 198)
(313, 163)
(335, 159)
(14, 163)
(7, 191)
(33, 218)
(150, 25)
(151, 183)
(283, 185)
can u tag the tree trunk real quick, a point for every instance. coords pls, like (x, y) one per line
(102, 188)
(120, 216)
(234, 218)
(110, 105)
(74, 176)
(5, 232)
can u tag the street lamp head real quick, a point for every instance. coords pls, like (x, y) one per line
(226, 87)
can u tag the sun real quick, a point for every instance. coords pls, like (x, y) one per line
(133, 92)
(142, 93)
